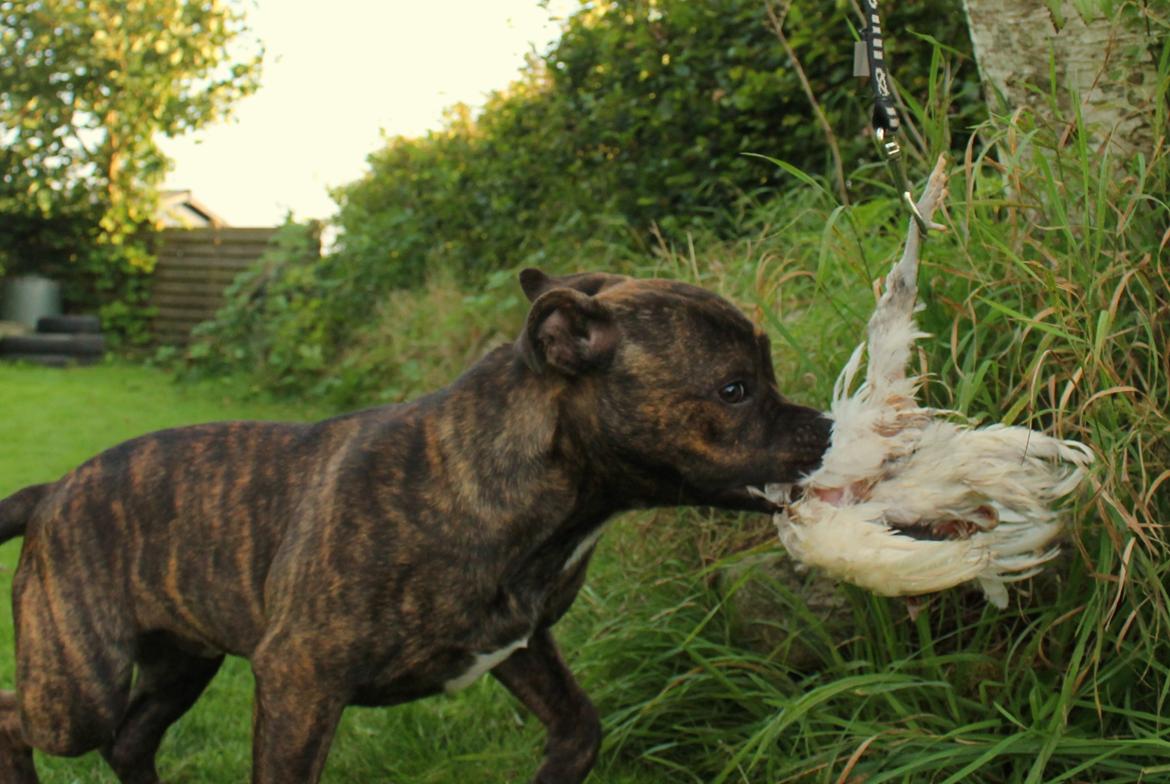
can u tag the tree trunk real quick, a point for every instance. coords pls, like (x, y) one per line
(1105, 62)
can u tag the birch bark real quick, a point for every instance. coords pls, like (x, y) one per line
(1097, 53)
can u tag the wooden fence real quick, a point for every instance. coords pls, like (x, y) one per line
(195, 267)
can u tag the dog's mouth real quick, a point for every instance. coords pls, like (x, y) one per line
(742, 499)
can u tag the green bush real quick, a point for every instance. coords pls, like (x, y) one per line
(631, 130)
(272, 328)
(104, 275)
(641, 112)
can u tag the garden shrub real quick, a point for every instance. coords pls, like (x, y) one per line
(105, 275)
(631, 130)
(271, 326)
(641, 111)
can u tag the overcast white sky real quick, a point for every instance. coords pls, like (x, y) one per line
(335, 75)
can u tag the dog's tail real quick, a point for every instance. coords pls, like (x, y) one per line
(16, 509)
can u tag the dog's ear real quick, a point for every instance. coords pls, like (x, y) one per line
(568, 331)
(534, 282)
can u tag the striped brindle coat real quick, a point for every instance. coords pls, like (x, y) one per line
(389, 554)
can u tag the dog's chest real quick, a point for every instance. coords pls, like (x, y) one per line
(483, 663)
(583, 548)
(541, 606)
(464, 625)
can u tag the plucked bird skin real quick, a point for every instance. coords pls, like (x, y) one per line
(984, 496)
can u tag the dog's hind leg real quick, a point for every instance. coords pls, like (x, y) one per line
(168, 683)
(16, 757)
(73, 657)
(539, 678)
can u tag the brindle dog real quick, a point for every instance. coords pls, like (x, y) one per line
(389, 554)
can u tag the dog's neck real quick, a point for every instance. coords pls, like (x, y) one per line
(525, 481)
(531, 449)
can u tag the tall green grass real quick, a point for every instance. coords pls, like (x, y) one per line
(1048, 302)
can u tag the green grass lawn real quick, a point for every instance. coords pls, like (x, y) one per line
(51, 420)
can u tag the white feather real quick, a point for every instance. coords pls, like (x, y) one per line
(893, 463)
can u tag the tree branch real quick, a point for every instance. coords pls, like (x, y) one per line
(777, 23)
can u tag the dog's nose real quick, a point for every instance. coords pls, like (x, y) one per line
(814, 435)
(809, 424)
(822, 430)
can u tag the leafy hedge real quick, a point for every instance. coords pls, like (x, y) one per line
(632, 129)
(640, 113)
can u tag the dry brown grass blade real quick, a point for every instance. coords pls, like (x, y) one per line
(851, 763)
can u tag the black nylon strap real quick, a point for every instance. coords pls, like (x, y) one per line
(869, 59)
(885, 113)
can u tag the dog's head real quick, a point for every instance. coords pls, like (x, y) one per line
(671, 387)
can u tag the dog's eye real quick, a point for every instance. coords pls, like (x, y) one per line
(733, 393)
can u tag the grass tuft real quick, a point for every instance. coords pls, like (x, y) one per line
(1048, 306)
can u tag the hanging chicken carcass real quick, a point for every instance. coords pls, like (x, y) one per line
(910, 501)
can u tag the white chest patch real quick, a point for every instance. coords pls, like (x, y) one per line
(483, 662)
(583, 547)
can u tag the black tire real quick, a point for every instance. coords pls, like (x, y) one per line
(51, 360)
(69, 325)
(67, 345)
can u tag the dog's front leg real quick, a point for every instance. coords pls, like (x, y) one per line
(539, 678)
(294, 718)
